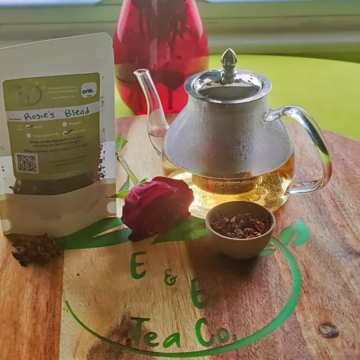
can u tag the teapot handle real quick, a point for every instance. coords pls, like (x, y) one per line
(307, 121)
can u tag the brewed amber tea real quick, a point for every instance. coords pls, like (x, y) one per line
(269, 190)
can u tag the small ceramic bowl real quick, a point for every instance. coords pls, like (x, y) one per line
(240, 248)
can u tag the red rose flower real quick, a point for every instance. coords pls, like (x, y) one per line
(153, 207)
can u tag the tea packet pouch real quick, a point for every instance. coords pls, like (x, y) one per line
(57, 153)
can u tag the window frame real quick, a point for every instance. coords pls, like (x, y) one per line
(219, 11)
(20, 3)
(281, 27)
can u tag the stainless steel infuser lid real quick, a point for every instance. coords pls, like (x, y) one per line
(228, 85)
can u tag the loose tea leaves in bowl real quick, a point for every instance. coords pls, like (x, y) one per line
(241, 226)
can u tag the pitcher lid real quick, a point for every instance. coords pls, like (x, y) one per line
(228, 85)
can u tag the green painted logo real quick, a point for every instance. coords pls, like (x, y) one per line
(294, 235)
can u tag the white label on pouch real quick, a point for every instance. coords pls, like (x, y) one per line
(53, 114)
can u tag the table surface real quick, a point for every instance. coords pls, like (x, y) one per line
(300, 302)
(328, 89)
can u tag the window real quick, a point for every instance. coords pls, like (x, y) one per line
(248, 26)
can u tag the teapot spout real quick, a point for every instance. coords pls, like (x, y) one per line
(157, 125)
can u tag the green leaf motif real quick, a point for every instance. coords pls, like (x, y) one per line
(296, 235)
(85, 238)
(143, 181)
(270, 249)
(120, 143)
(185, 230)
(267, 252)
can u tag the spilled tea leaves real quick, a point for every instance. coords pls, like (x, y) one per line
(37, 250)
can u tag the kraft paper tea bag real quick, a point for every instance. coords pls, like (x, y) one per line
(57, 156)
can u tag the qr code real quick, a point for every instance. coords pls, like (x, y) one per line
(27, 163)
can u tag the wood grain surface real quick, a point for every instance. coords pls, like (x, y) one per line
(30, 308)
(242, 296)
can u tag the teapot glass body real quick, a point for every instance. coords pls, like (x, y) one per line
(263, 149)
(227, 144)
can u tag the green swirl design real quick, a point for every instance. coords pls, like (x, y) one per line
(262, 333)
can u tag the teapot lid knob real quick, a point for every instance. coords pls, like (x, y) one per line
(229, 61)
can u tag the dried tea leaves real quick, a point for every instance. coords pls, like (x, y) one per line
(241, 226)
(34, 249)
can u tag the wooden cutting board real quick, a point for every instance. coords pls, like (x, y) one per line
(183, 299)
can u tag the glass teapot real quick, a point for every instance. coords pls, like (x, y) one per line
(227, 144)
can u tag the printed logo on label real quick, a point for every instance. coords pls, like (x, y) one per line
(88, 90)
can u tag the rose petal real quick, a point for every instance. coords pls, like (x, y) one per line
(137, 236)
(145, 214)
(153, 207)
(134, 205)
(178, 184)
